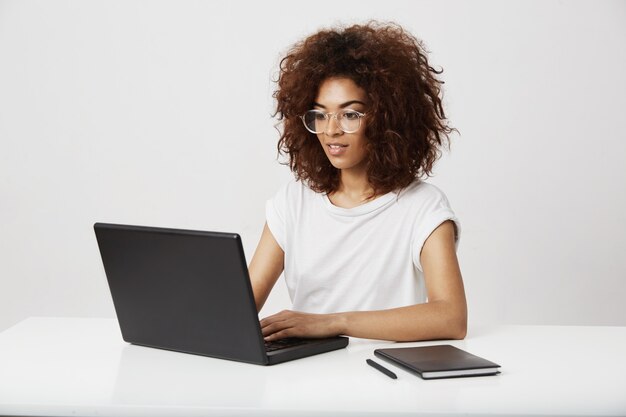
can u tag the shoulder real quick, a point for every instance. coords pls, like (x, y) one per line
(430, 208)
(423, 194)
(293, 195)
(294, 190)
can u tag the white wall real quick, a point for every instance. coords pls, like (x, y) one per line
(158, 113)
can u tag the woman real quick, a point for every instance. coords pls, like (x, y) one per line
(368, 249)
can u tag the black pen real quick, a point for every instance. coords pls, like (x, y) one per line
(381, 369)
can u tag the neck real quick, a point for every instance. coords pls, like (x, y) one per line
(355, 185)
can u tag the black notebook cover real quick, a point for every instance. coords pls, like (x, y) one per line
(439, 361)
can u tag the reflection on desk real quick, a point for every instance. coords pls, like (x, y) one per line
(65, 366)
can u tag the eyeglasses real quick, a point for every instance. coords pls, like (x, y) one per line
(316, 121)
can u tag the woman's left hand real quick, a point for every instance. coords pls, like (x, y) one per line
(289, 323)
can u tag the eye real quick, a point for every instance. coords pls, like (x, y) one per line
(320, 115)
(350, 115)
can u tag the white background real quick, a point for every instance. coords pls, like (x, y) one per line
(159, 113)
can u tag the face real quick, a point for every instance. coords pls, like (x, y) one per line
(346, 151)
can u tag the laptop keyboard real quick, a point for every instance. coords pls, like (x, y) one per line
(284, 343)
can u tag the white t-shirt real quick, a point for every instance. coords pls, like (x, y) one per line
(362, 258)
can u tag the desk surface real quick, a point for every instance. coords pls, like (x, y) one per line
(65, 366)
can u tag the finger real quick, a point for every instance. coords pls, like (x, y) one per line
(271, 321)
(279, 335)
(277, 327)
(275, 317)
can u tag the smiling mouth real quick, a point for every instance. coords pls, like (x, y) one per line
(336, 149)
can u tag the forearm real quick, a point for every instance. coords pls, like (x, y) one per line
(429, 321)
(266, 266)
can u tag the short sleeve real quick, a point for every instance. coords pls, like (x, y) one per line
(275, 215)
(436, 211)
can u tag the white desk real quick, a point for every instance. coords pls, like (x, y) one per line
(81, 367)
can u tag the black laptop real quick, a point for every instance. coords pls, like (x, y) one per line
(189, 291)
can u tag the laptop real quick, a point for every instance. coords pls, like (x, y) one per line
(189, 291)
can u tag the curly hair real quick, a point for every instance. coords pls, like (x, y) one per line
(406, 126)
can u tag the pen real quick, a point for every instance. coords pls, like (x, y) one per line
(381, 369)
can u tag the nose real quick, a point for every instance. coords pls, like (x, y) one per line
(332, 128)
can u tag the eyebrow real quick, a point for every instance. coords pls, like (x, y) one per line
(346, 104)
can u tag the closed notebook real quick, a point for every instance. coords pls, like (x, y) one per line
(439, 361)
